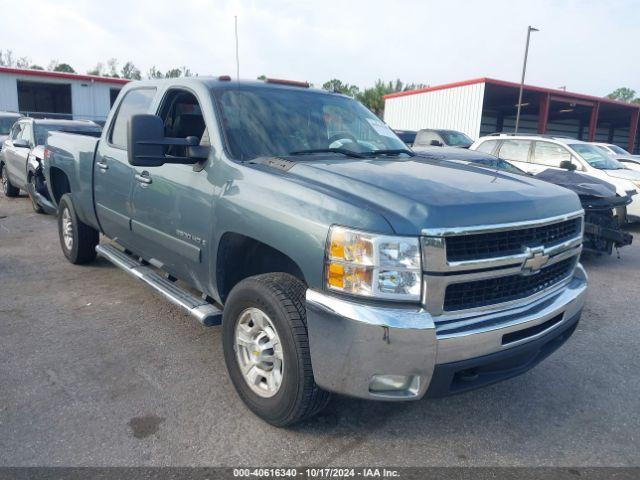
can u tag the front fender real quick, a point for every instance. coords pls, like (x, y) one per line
(291, 217)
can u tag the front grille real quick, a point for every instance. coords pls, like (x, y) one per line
(510, 242)
(481, 293)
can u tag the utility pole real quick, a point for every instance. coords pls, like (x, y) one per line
(237, 55)
(524, 70)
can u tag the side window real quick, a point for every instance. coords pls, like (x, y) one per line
(134, 102)
(515, 150)
(16, 131)
(545, 153)
(182, 117)
(487, 147)
(425, 138)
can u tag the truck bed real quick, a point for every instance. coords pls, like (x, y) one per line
(73, 154)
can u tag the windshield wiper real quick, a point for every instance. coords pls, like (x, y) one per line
(395, 151)
(343, 151)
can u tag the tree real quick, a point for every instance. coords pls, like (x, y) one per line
(154, 73)
(130, 71)
(64, 67)
(35, 67)
(6, 58)
(173, 73)
(97, 70)
(335, 85)
(23, 62)
(112, 68)
(262, 77)
(623, 94)
(373, 98)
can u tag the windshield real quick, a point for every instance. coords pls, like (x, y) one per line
(618, 150)
(42, 130)
(497, 164)
(594, 157)
(455, 139)
(6, 123)
(260, 121)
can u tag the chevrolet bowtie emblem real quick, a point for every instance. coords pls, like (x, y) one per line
(536, 259)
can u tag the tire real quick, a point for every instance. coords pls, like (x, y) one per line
(281, 297)
(34, 203)
(7, 188)
(79, 242)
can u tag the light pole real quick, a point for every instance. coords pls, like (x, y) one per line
(524, 69)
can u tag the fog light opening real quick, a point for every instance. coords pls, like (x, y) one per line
(395, 385)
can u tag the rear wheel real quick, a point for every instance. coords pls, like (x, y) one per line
(266, 349)
(77, 239)
(7, 188)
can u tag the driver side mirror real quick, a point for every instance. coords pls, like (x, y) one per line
(146, 144)
(21, 143)
(436, 143)
(568, 165)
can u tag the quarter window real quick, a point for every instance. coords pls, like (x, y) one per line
(545, 153)
(515, 150)
(134, 102)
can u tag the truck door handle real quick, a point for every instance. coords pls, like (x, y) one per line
(143, 177)
(102, 165)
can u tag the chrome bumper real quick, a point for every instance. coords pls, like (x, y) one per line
(351, 341)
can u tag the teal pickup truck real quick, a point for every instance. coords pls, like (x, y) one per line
(334, 259)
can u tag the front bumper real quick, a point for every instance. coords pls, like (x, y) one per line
(351, 342)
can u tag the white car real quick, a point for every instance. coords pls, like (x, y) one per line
(535, 153)
(628, 160)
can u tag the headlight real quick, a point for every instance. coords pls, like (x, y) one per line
(371, 265)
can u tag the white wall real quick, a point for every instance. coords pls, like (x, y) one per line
(8, 93)
(457, 108)
(89, 100)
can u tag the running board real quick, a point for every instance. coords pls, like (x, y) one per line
(207, 314)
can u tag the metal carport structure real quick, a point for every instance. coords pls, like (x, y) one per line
(485, 105)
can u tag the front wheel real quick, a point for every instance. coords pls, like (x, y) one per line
(32, 189)
(77, 239)
(266, 349)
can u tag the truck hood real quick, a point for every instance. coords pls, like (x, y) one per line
(418, 193)
(624, 173)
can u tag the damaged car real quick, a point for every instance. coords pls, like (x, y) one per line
(23, 152)
(603, 207)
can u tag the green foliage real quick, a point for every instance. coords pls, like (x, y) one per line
(624, 94)
(262, 77)
(335, 85)
(130, 71)
(35, 67)
(63, 67)
(171, 73)
(373, 98)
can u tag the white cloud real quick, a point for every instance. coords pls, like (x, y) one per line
(585, 45)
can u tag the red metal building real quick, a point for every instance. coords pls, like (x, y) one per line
(491, 105)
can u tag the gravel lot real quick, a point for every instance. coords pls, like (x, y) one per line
(95, 370)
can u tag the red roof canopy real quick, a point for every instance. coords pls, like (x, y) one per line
(503, 83)
(68, 76)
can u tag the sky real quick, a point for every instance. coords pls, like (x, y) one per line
(588, 46)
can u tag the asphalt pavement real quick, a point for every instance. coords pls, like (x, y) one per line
(96, 370)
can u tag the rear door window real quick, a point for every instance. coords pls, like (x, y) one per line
(134, 102)
(550, 154)
(515, 150)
